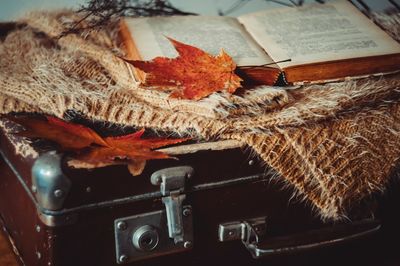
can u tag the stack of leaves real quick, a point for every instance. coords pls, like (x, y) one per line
(89, 150)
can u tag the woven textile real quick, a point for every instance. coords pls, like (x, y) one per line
(334, 144)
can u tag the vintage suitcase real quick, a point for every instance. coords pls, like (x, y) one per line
(216, 205)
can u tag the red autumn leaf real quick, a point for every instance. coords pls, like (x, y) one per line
(194, 74)
(134, 141)
(76, 129)
(127, 147)
(69, 136)
(92, 150)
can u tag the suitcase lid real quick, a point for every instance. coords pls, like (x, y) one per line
(215, 165)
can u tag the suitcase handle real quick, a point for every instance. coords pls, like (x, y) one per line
(309, 240)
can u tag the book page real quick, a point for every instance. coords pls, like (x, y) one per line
(318, 33)
(207, 33)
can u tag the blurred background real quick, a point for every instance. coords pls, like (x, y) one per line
(12, 9)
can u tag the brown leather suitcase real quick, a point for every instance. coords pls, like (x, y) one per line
(216, 205)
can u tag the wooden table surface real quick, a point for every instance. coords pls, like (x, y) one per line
(7, 257)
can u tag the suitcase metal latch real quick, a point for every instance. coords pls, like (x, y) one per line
(161, 232)
(172, 185)
(243, 230)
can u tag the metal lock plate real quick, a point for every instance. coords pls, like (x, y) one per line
(146, 235)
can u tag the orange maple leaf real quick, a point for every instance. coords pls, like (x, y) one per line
(69, 136)
(89, 148)
(194, 74)
(127, 147)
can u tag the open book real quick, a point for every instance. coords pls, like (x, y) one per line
(324, 42)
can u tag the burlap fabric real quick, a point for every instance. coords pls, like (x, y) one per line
(334, 144)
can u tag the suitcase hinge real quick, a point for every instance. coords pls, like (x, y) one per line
(172, 186)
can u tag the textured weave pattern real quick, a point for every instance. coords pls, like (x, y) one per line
(335, 144)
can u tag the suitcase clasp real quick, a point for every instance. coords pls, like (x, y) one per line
(161, 232)
(172, 185)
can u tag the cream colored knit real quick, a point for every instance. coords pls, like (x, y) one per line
(335, 144)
